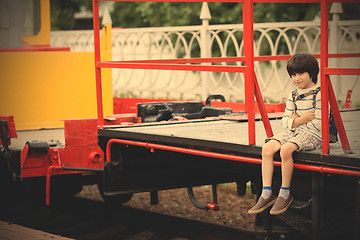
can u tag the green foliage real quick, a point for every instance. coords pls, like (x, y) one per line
(350, 11)
(158, 14)
(155, 14)
(62, 12)
(225, 13)
(125, 14)
(285, 12)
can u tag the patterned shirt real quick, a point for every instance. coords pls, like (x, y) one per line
(303, 105)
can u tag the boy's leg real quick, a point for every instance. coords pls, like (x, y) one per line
(287, 163)
(267, 198)
(284, 199)
(267, 165)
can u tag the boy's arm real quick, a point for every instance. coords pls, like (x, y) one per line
(305, 118)
(311, 118)
(288, 118)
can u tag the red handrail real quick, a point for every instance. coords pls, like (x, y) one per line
(323, 64)
(152, 146)
(222, 59)
(248, 34)
(233, 1)
(100, 112)
(249, 58)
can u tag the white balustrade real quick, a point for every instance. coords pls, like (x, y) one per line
(221, 41)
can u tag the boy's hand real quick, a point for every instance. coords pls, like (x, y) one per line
(308, 116)
(305, 118)
(294, 115)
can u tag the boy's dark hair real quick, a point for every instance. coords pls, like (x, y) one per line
(303, 62)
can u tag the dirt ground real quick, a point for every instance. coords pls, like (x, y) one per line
(233, 208)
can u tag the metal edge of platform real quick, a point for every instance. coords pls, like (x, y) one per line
(314, 158)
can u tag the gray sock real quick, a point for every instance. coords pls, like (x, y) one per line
(266, 192)
(284, 192)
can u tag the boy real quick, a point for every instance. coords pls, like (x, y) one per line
(302, 119)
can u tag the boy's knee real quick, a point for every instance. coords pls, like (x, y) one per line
(269, 149)
(284, 154)
(287, 150)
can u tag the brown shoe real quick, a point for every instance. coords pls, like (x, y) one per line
(281, 205)
(262, 204)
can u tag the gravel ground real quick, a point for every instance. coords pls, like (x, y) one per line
(233, 208)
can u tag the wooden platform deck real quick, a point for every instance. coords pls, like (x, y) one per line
(231, 136)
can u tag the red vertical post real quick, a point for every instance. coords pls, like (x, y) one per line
(338, 120)
(248, 36)
(98, 59)
(324, 84)
(262, 109)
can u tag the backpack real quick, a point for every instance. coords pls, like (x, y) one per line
(332, 127)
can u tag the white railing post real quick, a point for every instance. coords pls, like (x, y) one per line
(105, 38)
(204, 47)
(335, 10)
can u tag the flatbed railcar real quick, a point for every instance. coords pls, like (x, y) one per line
(154, 156)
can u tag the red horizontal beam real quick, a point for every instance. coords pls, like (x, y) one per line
(340, 55)
(36, 49)
(230, 59)
(152, 146)
(210, 60)
(342, 71)
(173, 64)
(208, 68)
(190, 60)
(233, 1)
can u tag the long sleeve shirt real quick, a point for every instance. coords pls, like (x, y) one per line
(303, 105)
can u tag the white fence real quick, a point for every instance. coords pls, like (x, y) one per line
(220, 41)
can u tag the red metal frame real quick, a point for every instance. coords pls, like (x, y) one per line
(262, 108)
(337, 117)
(248, 35)
(121, 64)
(251, 88)
(151, 146)
(348, 98)
(96, 19)
(45, 48)
(232, 1)
(80, 154)
(327, 93)
(81, 151)
(11, 127)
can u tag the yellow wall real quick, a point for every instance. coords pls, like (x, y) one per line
(42, 88)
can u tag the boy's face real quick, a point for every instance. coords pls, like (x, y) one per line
(302, 80)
